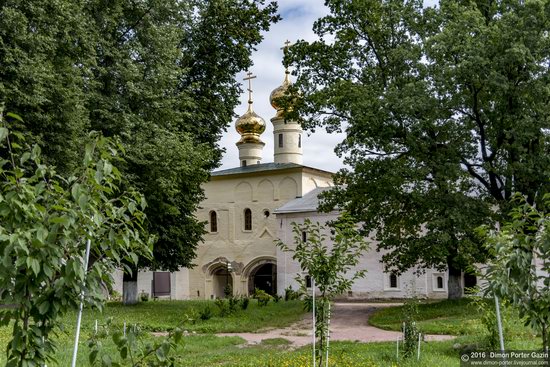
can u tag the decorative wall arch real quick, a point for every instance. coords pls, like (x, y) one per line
(266, 191)
(288, 188)
(243, 192)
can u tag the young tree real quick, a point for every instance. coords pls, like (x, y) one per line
(331, 266)
(45, 222)
(158, 74)
(446, 113)
(520, 271)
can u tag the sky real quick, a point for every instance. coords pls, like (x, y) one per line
(297, 23)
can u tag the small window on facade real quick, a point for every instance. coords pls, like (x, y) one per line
(304, 236)
(299, 140)
(280, 140)
(213, 221)
(244, 164)
(393, 280)
(308, 281)
(439, 282)
(247, 219)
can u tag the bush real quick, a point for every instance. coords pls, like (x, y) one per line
(206, 313)
(144, 296)
(233, 303)
(223, 307)
(243, 302)
(262, 297)
(291, 294)
(410, 331)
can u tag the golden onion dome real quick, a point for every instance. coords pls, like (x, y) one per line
(250, 126)
(278, 93)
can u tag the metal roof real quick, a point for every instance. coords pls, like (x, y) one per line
(262, 167)
(307, 203)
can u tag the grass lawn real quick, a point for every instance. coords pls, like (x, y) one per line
(457, 317)
(204, 349)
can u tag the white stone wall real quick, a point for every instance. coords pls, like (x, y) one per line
(375, 284)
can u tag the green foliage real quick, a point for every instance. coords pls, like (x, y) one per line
(223, 307)
(45, 223)
(519, 272)
(488, 317)
(206, 313)
(243, 302)
(262, 296)
(228, 290)
(158, 74)
(327, 265)
(410, 330)
(132, 349)
(446, 115)
(291, 294)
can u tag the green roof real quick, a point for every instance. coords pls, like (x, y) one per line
(262, 167)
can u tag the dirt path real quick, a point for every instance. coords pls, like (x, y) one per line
(349, 322)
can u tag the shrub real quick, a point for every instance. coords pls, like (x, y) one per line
(262, 297)
(243, 302)
(223, 307)
(291, 294)
(233, 303)
(206, 313)
(410, 331)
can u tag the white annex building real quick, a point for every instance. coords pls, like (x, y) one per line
(250, 206)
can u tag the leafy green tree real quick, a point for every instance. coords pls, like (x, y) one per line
(331, 266)
(446, 113)
(520, 270)
(45, 222)
(158, 74)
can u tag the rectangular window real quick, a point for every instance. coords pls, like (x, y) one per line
(304, 236)
(244, 164)
(280, 140)
(308, 281)
(300, 141)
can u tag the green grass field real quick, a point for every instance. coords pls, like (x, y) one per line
(459, 318)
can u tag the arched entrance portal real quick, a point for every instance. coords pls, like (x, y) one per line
(221, 278)
(263, 277)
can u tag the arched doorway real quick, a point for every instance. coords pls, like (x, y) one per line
(221, 278)
(263, 277)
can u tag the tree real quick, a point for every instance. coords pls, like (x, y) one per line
(446, 113)
(160, 75)
(46, 221)
(330, 266)
(521, 265)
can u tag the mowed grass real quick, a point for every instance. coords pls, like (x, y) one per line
(162, 316)
(452, 317)
(167, 315)
(206, 349)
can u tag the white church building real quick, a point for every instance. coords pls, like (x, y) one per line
(250, 206)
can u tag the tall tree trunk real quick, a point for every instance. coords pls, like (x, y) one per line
(129, 288)
(454, 284)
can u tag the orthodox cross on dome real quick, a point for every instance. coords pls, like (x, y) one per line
(287, 45)
(249, 77)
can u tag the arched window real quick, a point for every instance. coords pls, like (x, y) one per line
(393, 280)
(280, 140)
(213, 222)
(299, 140)
(247, 219)
(439, 282)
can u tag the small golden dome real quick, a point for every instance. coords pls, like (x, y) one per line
(250, 126)
(278, 93)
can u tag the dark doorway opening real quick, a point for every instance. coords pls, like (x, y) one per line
(470, 282)
(264, 278)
